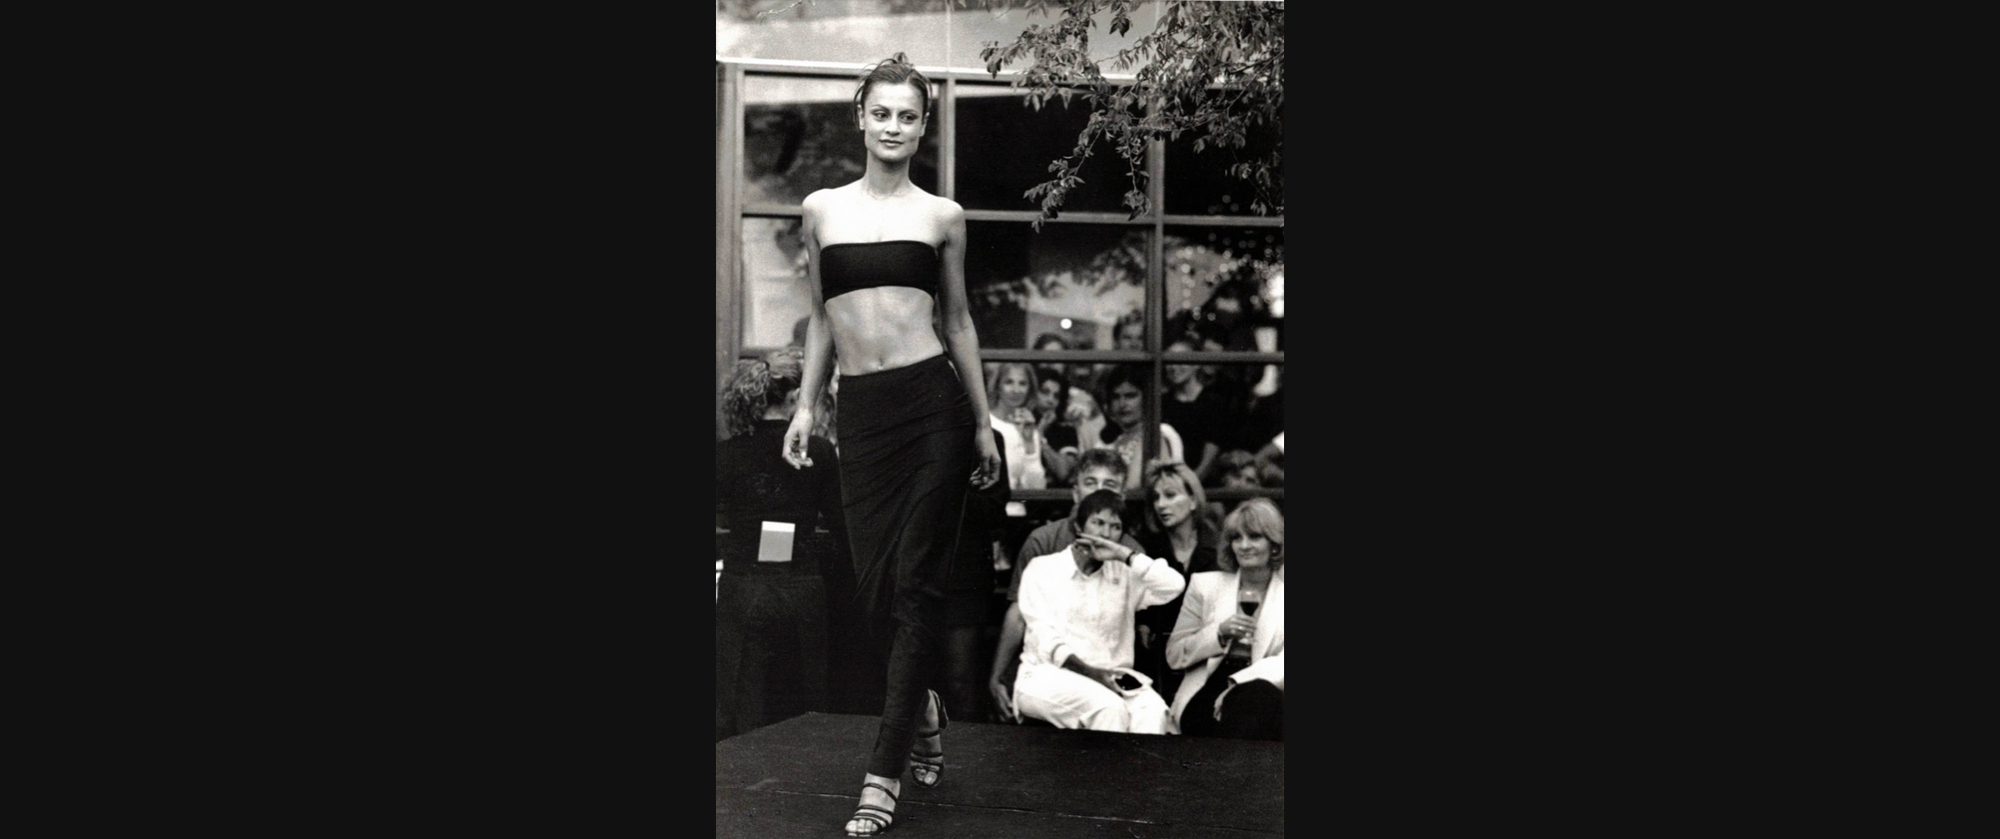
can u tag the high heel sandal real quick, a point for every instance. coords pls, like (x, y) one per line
(882, 819)
(922, 762)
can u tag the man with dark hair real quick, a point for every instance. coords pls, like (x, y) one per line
(1100, 469)
(1078, 604)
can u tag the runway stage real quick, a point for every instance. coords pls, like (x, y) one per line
(801, 778)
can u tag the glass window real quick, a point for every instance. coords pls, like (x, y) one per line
(975, 24)
(1199, 183)
(1225, 287)
(777, 297)
(1072, 281)
(852, 31)
(800, 135)
(1005, 147)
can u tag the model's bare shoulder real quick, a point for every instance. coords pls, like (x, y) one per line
(947, 210)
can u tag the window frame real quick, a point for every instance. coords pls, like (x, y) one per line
(732, 210)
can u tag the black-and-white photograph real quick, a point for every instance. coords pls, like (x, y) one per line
(999, 388)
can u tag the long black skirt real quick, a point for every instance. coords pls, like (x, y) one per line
(906, 460)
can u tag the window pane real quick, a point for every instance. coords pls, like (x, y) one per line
(776, 295)
(1070, 280)
(799, 135)
(1226, 287)
(974, 24)
(853, 31)
(1005, 147)
(1199, 183)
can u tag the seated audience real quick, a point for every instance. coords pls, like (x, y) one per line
(773, 631)
(1178, 530)
(1232, 650)
(1099, 469)
(1079, 605)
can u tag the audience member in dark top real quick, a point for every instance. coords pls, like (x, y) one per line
(1124, 392)
(772, 620)
(1207, 421)
(1100, 469)
(1178, 530)
(1223, 695)
(1060, 450)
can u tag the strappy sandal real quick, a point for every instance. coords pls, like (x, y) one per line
(882, 819)
(921, 762)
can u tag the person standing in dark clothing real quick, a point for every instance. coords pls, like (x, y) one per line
(773, 630)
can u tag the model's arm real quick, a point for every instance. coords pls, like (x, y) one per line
(962, 343)
(819, 343)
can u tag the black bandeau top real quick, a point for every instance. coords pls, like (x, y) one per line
(849, 266)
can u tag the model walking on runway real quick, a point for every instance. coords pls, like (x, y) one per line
(885, 257)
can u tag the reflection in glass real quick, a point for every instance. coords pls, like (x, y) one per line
(800, 135)
(1199, 183)
(1005, 147)
(777, 297)
(1225, 287)
(975, 24)
(852, 31)
(1071, 281)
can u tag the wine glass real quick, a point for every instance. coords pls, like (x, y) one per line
(1247, 600)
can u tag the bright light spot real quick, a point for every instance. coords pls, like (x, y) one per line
(1067, 323)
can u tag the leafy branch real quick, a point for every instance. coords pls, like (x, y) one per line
(1213, 70)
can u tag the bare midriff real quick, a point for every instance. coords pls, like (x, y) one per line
(882, 328)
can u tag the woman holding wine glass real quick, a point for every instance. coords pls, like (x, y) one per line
(1230, 639)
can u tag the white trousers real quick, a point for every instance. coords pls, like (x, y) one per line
(1068, 699)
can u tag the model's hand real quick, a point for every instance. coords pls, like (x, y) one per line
(987, 469)
(795, 440)
(1104, 549)
(1002, 702)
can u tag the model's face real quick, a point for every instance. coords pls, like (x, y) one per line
(1126, 404)
(1172, 501)
(1013, 387)
(892, 120)
(1104, 523)
(1048, 396)
(1096, 478)
(1252, 550)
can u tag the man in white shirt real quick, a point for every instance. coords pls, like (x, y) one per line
(1078, 605)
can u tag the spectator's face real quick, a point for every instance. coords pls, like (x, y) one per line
(1178, 374)
(1013, 388)
(1047, 396)
(1096, 478)
(1104, 523)
(1245, 476)
(1172, 501)
(1131, 336)
(1127, 405)
(1252, 550)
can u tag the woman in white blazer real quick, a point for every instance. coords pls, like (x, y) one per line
(1222, 696)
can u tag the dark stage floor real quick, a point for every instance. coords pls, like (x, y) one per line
(801, 777)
